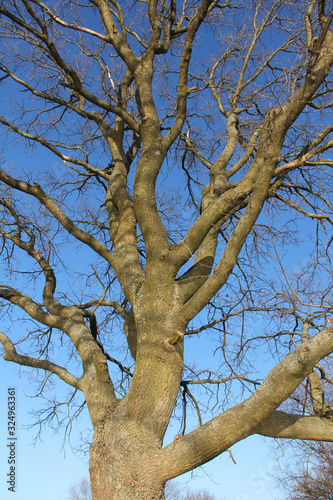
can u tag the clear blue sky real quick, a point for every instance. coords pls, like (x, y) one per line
(43, 472)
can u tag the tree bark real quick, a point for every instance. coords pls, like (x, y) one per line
(119, 458)
(128, 434)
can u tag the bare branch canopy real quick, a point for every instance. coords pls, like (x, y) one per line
(170, 198)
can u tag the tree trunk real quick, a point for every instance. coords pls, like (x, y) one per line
(121, 463)
(128, 434)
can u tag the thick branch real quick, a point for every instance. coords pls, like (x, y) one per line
(182, 91)
(285, 425)
(35, 190)
(259, 176)
(30, 307)
(277, 122)
(12, 355)
(217, 435)
(118, 40)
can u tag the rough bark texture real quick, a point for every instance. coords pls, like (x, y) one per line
(119, 461)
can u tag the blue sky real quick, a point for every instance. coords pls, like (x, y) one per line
(43, 471)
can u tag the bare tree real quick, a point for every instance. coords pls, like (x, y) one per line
(200, 495)
(139, 101)
(173, 491)
(311, 477)
(80, 491)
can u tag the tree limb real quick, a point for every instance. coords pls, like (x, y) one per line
(217, 435)
(285, 425)
(12, 355)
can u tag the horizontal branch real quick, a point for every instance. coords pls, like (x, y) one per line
(12, 355)
(219, 381)
(289, 426)
(284, 169)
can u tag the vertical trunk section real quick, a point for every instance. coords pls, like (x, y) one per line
(120, 463)
(128, 437)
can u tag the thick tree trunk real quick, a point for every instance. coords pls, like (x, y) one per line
(120, 463)
(128, 434)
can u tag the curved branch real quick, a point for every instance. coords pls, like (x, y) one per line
(79, 109)
(118, 40)
(51, 304)
(257, 180)
(36, 191)
(303, 158)
(71, 26)
(30, 307)
(12, 355)
(43, 41)
(51, 147)
(182, 91)
(128, 276)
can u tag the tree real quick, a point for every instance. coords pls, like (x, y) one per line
(200, 495)
(174, 492)
(313, 478)
(133, 98)
(81, 491)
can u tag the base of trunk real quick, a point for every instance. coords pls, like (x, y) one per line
(119, 465)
